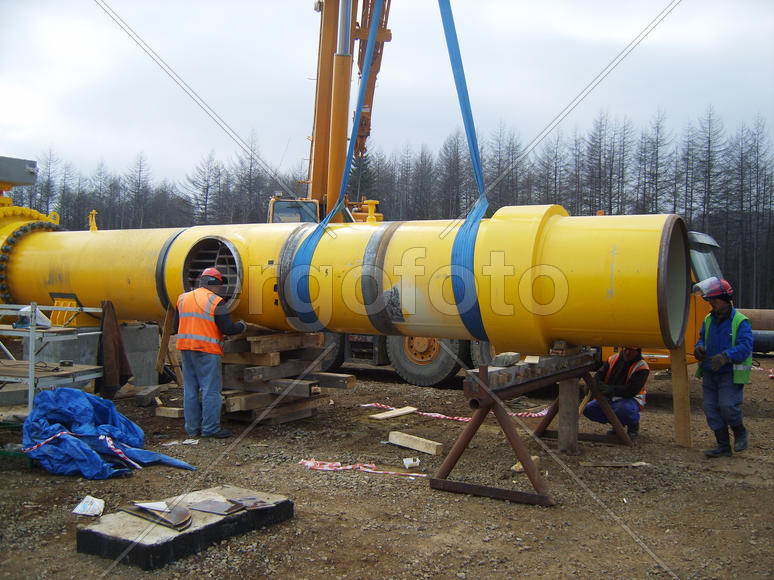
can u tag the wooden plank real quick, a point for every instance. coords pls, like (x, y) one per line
(147, 395)
(247, 401)
(393, 413)
(681, 397)
(251, 358)
(568, 416)
(125, 392)
(173, 356)
(170, 412)
(283, 370)
(293, 409)
(284, 341)
(333, 380)
(296, 388)
(303, 353)
(166, 333)
(236, 345)
(416, 443)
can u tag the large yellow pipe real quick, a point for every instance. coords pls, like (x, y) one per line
(541, 275)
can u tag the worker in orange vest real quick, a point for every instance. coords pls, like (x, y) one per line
(622, 380)
(201, 321)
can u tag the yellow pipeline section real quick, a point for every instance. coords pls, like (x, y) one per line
(541, 275)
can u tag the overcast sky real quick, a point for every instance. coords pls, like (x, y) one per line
(73, 81)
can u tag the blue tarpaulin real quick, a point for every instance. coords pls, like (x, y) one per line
(70, 432)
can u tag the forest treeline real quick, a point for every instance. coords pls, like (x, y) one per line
(721, 183)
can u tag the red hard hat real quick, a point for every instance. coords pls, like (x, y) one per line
(715, 288)
(214, 272)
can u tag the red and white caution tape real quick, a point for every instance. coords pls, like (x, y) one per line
(118, 452)
(42, 443)
(770, 371)
(367, 467)
(540, 413)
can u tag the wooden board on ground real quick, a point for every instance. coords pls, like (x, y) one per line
(416, 443)
(170, 412)
(284, 341)
(393, 413)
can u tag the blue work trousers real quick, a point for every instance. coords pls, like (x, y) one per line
(201, 374)
(627, 411)
(722, 400)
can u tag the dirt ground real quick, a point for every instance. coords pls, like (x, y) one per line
(681, 515)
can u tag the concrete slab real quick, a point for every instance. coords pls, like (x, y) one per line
(147, 545)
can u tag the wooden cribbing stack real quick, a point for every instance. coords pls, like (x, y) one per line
(267, 375)
(275, 376)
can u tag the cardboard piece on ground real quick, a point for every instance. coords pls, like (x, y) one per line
(214, 506)
(416, 443)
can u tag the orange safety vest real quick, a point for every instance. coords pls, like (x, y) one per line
(197, 329)
(641, 364)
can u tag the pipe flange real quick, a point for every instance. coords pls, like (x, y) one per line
(10, 243)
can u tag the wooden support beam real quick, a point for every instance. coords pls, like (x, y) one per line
(166, 332)
(283, 370)
(146, 396)
(250, 358)
(284, 341)
(295, 388)
(681, 397)
(568, 416)
(333, 380)
(247, 401)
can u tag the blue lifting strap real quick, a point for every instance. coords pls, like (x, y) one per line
(462, 256)
(299, 273)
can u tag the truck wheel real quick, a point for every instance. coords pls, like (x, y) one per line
(425, 361)
(481, 352)
(335, 358)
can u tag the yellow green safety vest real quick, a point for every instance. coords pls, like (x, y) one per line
(741, 370)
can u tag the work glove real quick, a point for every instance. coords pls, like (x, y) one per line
(606, 389)
(719, 361)
(700, 353)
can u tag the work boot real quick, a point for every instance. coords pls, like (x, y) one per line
(220, 434)
(724, 444)
(740, 437)
(633, 431)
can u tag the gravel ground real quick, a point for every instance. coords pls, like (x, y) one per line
(681, 515)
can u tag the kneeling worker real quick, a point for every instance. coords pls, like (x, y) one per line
(201, 321)
(622, 380)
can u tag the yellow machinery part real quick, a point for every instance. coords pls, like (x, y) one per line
(541, 275)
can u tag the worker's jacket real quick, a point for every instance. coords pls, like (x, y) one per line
(715, 339)
(637, 366)
(197, 329)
